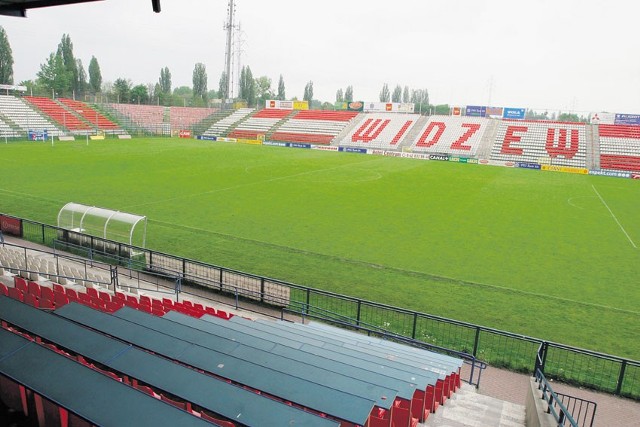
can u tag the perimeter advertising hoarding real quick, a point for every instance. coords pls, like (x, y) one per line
(627, 119)
(207, 138)
(611, 173)
(565, 169)
(353, 150)
(602, 118)
(281, 105)
(349, 105)
(184, 133)
(513, 113)
(494, 112)
(527, 165)
(440, 157)
(388, 107)
(300, 105)
(11, 226)
(475, 111)
(456, 111)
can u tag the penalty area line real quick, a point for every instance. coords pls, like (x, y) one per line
(614, 217)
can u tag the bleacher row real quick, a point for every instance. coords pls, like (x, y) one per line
(225, 369)
(24, 117)
(151, 116)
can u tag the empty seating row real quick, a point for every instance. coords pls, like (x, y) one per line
(379, 130)
(58, 113)
(620, 148)
(6, 130)
(185, 117)
(221, 127)
(25, 117)
(459, 136)
(195, 392)
(313, 126)
(555, 143)
(144, 116)
(62, 390)
(89, 114)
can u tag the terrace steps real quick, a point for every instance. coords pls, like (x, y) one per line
(467, 408)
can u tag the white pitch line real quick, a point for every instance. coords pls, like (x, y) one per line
(614, 217)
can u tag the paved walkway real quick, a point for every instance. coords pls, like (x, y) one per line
(498, 383)
(513, 387)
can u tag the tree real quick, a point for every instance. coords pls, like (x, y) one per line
(420, 98)
(263, 90)
(405, 95)
(443, 109)
(339, 95)
(308, 92)
(65, 50)
(248, 86)
(397, 94)
(53, 76)
(281, 92)
(165, 80)
(348, 94)
(385, 95)
(82, 78)
(6, 59)
(222, 86)
(200, 81)
(95, 76)
(139, 94)
(122, 89)
(182, 96)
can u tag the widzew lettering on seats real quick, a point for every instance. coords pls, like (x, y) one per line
(440, 127)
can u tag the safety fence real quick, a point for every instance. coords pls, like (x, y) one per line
(599, 371)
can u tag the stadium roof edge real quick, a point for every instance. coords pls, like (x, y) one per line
(20, 7)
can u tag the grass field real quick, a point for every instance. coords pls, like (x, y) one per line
(549, 255)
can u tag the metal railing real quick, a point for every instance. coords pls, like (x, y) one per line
(498, 348)
(566, 409)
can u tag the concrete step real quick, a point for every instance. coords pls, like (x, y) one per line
(467, 408)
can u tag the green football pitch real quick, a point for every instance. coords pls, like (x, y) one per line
(545, 254)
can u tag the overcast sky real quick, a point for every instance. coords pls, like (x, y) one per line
(569, 54)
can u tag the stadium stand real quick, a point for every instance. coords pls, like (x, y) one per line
(223, 126)
(313, 126)
(148, 117)
(544, 142)
(90, 115)
(380, 130)
(58, 113)
(185, 117)
(24, 116)
(259, 123)
(620, 148)
(450, 135)
(7, 131)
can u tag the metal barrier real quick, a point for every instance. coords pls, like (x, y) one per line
(498, 348)
(582, 412)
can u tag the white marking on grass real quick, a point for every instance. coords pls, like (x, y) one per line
(234, 187)
(614, 217)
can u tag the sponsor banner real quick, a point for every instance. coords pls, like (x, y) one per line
(12, 87)
(602, 118)
(184, 133)
(11, 226)
(353, 150)
(250, 141)
(37, 135)
(494, 112)
(300, 105)
(207, 138)
(96, 137)
(393, 153)
(298, 145)
(439, 157)
(224, 139)
(355, 106)
(513, 113)
(281, 105)
(475, 111)
(627, 119)
(375, 152)
(497, 163)
(387, 107)
(528, 165)
(419, 156)
(613, 174)
(324, 147)
(276, 143)
(456, 111)
(457, 159)
(635, 176)
(565, 169)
